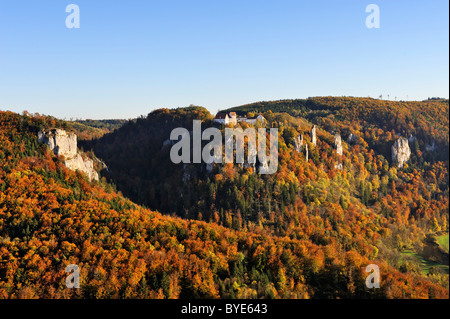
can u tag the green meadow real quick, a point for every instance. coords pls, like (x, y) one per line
(424, 263)
(443, 242)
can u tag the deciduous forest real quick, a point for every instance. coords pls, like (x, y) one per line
(153, 229)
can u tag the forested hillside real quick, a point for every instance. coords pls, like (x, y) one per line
(378, 122)
(370, 206)
(309, 231)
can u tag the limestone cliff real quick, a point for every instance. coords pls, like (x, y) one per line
(84, 165)
(401, 152)
(299, 143)
(65, 144)
(339, 150)
(306, 153)
(338, 144)
(314, 135)
(60, 142)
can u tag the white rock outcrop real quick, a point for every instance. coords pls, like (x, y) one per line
(314, 135)
(352, 138)
(60, 142)
(306, 153)
(65, 144)
(338, 144)
(401, 152)
(84, 165)
(298, 141)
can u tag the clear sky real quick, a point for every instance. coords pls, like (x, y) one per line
(130, 57)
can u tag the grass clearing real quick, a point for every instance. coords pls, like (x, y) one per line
(443, 242)
(424, 263)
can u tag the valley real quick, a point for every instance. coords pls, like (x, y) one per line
(150, 228)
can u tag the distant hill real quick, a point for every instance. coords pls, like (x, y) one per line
(93, 129)
(426, 119)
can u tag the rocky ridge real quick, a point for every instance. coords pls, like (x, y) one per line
(65, 144)
(401, 152)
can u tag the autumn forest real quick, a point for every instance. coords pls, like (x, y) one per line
(149, 228)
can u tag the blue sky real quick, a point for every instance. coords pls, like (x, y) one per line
(130, 57)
